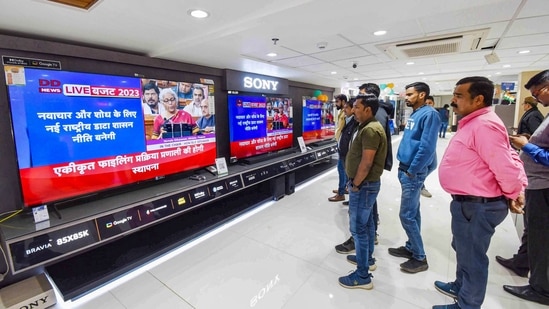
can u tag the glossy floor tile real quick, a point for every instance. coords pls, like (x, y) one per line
(282, 255)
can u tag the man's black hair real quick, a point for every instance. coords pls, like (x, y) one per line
(151, 85)
(480, 85)
(370, 88)
(420, 87)
(341, 97)
(538, 79)
(368, 99)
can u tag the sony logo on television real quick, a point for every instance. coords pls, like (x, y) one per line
(260, 84)
(41, 302)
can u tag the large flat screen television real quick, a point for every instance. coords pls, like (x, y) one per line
(318, 121)
(259, 125)
(78, 134)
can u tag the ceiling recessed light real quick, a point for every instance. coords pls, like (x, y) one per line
(498, 73)
(380, 32)
(333, 72)
(356, 78)
(410, 63)
(506, 65)
(420, 73)
(272, 54)
(198, 13)
(523, 51)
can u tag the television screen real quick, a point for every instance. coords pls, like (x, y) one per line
(318, 121)
(78, 133)
(259, 124)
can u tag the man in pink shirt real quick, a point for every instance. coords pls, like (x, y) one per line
(485, 177)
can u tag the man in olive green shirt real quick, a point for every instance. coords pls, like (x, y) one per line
(364, 165)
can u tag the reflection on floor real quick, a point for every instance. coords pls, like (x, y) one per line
(281, 255)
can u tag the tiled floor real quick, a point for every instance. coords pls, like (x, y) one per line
(282, 256)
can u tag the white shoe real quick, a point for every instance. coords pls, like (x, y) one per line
(426, 193)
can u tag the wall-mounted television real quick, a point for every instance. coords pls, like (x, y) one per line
(318, 121)
(259, 124)
(78, 134)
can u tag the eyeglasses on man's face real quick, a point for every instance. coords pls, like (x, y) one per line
(537, 92)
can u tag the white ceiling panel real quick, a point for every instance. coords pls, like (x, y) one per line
(237, 35)
(298, 61)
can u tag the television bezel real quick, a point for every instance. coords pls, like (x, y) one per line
(78, 197)
(288, 142)
(326, 131)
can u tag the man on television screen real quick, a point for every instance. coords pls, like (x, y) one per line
(194, 107)
(170, 116)
(270, 111)
(185, 91)
(150, 99)
(206, 123)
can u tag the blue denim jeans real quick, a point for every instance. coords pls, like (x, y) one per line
(342, 176)
(362, 225)
(473, 225)
(410, 216)
(443, 129)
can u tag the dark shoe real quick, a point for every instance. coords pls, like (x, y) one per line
(448, 289)
(354, 281)
(347, 247)
(336, 198)
(451, 306)
(400, 252)
(376, 242)
(346, 203)
(336, 191)
(414, 266)
(508, 263)
(371, 262)
(526, 292)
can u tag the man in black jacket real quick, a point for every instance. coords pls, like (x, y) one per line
(532, 117)
(347, 131)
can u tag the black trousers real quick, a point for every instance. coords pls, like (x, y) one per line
(520, 259)
(537, 202)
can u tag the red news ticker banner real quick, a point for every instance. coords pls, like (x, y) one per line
(255, 146)
(59, 182)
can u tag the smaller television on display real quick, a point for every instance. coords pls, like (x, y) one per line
(318, 121)
(259, 124)
(78, 134)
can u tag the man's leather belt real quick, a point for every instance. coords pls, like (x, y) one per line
(477, 199)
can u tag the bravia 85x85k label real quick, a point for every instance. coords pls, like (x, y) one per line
(53, 244)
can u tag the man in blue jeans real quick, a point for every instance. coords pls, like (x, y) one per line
(416, 153)
(444, 116)
(364, 165)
